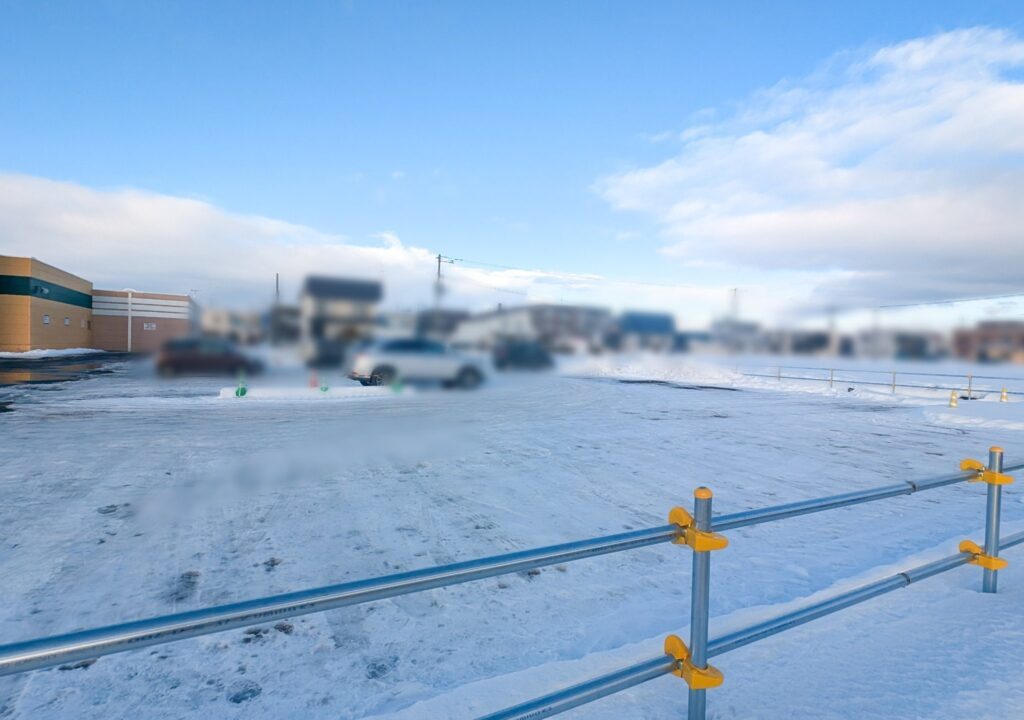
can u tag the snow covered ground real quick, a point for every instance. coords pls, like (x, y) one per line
(46, 354)
(127, 497)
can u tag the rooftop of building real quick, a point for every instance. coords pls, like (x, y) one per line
(331, 288)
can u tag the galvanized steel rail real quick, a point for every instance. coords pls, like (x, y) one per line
(804, 507)
(47, 652)
(56, 650)
(661, 665)
(833, 378)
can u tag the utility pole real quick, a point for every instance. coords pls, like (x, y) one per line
(275, 312)
(438, 287)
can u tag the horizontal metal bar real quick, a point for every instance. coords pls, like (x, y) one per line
(857, 381)
(1011, 540)
(599, 687)
(587, 692)
(776, 625)
(47, 652)
(804, 507)
(758, 516)
(883, 372)
(789, 620)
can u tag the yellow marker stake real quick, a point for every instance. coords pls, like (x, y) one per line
(952, 398)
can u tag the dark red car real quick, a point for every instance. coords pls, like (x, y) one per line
(204, 356)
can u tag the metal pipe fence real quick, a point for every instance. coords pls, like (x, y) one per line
(698, 531)
(656, 667)
(832, 378)
(48, 652)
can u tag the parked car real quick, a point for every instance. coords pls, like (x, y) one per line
(521, 354)
(204, 356)
(415, 359)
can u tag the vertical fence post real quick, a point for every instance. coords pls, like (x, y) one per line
(894, 383)
(970, 386)
(831, 378)
(995, 497)
(779, 374)
(699, 600)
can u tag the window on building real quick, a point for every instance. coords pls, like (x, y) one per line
(83, 322)
(67, 321)
(149, 326)
(46, 319)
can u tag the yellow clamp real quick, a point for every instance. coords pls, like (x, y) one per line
(984, 474)
(980, 558)
(697, 678)
(699, 540)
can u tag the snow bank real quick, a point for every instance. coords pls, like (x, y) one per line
(44, 354)
(646, 366)
(313, 394)
(989, 415)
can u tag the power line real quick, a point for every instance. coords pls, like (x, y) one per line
(951, 301)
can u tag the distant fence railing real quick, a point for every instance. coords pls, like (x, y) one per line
(700, 531)
(834, 375)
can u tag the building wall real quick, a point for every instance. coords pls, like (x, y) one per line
(15, 323)
(155, 317)
(483, 331)
(68, 326)
(42, 307)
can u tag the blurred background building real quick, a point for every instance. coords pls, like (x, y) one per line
(45, 307)
(643, 331)
(244, 328)
(991, 341)
(559, 328)
(334, 313)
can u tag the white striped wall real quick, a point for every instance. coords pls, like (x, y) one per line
(117, 306)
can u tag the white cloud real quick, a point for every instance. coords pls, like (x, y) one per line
(149, 241)
(895, 175)
(174, 244)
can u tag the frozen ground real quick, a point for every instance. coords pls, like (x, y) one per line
(126, 497)
(45, 354)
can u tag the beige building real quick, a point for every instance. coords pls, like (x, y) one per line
(42, 307)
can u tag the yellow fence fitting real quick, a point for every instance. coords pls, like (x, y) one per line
(980, 558)
(699, 540)
(696, 678)
(952, 399)
(984, 474)
(1003, 396)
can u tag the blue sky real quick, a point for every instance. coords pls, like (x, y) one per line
(493, 131)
